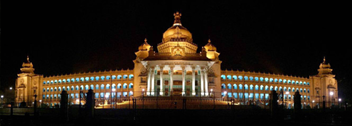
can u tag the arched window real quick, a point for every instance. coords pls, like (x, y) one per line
(43, 89)
(280, 88)
(125, 76)
(97, 78)
(97, 87)
(234, 77)
(261, 79)
(107, 77)
(130, 76)
(92, 87)
(308, 90)
(124, 86)
(77, 88)
(60, 81)
(245, 87)
(246, 78)
(113, 77)
(240, 78)
(87, 87)
(293, 89)
(240, 86)
(130, 86)
(286, 81)
(102, 87)
(271, 88)
(102, 77)
(82, 79)
(44, 82)
(77, 79)
(223, 77)
(275, 80)
(266, 79)
(280, 80)
(91, 78)
(275, 88)
(266, 87)
(108, 86)
(256, 87)
(51, 89)
(87, 79)
(304, 90)
(72, 88)
(289, 89)
(131, 93)
(63, 80)
(47, 82)
(55, 89)
(113, 86)
(119, 77)
(301, 90)
(55, 81)
(293, 82)
(81, 87)
(304, 83)
(118, 86)
(251, 78)
(234, 86)
(256, 78)
(285, 89)
(261, 87)
(68, 88)
(251, 87)
(223, 86)
(307, 83)
(229, 77)
(229, 86)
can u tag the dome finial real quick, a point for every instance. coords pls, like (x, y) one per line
(324, 60)
(209, 40)
(28, 58)
(177, 16)
(145, 40)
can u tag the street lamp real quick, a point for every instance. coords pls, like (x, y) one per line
(10, 88)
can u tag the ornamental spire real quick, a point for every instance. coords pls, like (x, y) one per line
(27, 59)
(209, 40)
(177, 16)
(145, 41)
(324, 60)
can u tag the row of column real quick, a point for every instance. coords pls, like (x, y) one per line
(151, 81)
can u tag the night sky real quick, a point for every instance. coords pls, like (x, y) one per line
(288, 38)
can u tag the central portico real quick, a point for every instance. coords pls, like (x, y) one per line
(177, 69)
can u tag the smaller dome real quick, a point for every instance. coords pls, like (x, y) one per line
(145, 46)
(209, 46)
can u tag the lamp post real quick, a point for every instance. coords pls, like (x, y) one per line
(330, 99)
(2, 98)
(340, 102)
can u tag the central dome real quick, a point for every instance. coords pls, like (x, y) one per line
(177, 32)
(177, 39)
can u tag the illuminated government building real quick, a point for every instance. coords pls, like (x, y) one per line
(176, 70)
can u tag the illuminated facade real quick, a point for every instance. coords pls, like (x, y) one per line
(177, 70)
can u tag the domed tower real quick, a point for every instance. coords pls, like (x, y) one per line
(325, 85)
(211, 51)
(27, 84)
(143, 50)
(177, 40)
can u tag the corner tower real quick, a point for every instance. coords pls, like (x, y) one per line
(27, 84)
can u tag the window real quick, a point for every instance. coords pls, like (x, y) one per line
(256, 78)
(113, 77)
(223, 77)
(234, 77)
(87, 87)
(261, 79)
(125, 76)
(266, 87)
(130, 76)
(96, 78)
(119, 77)
(102, 87)
(275, 80)
(251, 78)
(55, 81)
(251, 87)
(124, 86)
(271, 80)
(107, 86)
(289, 81)
(60, 81)
(102, 77)
(229, 77)
(280, 80)
(223, 86)
(82, 79)
(77, 79)
(245, 87)
(107, 77)
(246, 78)
(234, 86)
(266, 79)
(92, 87)
(235, 95)
(91, 78)
(229, 94)
(118, 86)
(240, 78)
(229, 86)
(87, 79)
(97, 87)
(76, 88)
(256, 87)
(63, 80)
(240, 86)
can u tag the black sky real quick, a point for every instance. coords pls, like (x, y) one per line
(284, 37)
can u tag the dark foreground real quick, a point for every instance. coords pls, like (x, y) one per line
(182, 117)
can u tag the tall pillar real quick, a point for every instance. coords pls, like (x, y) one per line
(149, 76)
(193, 82)
(152, 77)
(171, 79)
(161, 80)
(206, 82)
(201, 82)
(183, 80)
